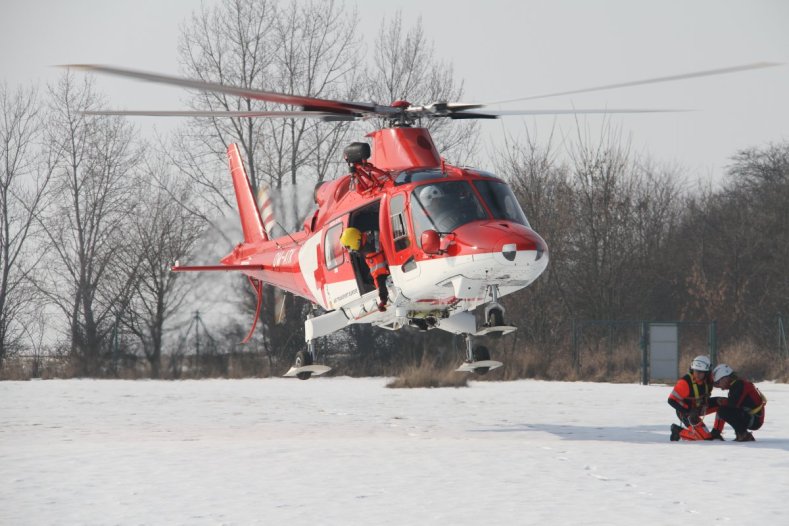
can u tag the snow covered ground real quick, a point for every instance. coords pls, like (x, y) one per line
(349, 451)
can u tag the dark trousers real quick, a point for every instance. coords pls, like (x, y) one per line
(383, 292)
(739, 419)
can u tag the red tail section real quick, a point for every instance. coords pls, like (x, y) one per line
(266, 209)
(251, 223)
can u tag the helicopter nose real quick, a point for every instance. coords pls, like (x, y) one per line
(504, 239)
(515, 238)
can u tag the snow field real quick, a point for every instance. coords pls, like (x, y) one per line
(350, 451)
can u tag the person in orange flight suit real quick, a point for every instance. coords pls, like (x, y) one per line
(691, 399)
(367, 245)
(743, 409)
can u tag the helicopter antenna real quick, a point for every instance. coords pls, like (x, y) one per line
(286, 233)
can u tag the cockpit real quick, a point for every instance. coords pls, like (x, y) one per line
(445, 206)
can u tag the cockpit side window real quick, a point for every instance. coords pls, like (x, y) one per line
(399, 229)
(420, 219)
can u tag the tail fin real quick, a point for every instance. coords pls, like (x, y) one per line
(251, 223)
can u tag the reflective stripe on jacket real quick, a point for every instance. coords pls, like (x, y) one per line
(688, 394)
(377, 263)
(744, 395)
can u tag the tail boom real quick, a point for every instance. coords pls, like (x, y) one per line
(216, 268)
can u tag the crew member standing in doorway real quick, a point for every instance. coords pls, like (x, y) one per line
(368, 245)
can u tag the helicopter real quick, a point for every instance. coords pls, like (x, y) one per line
(454, 238)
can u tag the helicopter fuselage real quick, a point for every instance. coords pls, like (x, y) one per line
(449, 235)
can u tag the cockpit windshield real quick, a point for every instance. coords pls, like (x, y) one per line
(501, 201)
(445, 206)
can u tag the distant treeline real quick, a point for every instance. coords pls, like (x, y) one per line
(633, 241)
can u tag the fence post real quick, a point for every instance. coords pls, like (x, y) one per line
(610, 347)
(712, 341)
(576, 357)
(644, 347)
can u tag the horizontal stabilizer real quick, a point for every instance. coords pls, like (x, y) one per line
(217, 268)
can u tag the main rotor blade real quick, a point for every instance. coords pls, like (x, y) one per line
(207, 113)
(311, 103)
(501, 113)
(670, 78)
(495, 114)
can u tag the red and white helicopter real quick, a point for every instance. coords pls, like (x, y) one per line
(454, 238)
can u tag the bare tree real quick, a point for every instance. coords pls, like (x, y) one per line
(161, 233)
(733, 247)
(759, 177)
(230, 43)
(543, 186)
(303, 48)
(405, 67)
(659, 201)
(601, 246)
(308, 49)
(88, 218)
(318, 57)
(608, 221)
(25, 171)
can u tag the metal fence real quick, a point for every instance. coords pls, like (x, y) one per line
(602, 337)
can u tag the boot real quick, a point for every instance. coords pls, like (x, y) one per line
(746, 436)
(715, 435)
(675, 429)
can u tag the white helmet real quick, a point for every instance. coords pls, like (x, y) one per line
(721, 371)
(700, 363)
(428, 193)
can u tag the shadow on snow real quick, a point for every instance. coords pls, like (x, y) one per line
(644, 434)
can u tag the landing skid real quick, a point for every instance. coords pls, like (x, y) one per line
(503, 329)
(494, 317)
(480, 367)
(304, 366)
(477, 359)
(306, 371)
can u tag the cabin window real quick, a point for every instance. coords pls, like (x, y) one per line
(332, 248)
(399, 230)
(501, 201)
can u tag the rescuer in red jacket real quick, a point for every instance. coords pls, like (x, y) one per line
(691, 399)
(367, 245)
(743, 409)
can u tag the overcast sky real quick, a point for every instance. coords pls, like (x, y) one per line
(500, 49)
